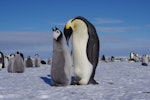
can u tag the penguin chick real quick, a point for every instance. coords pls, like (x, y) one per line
(61, 61)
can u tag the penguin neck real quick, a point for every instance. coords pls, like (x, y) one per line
(58, 44)
(80, 36)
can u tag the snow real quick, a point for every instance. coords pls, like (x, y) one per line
(117, 81)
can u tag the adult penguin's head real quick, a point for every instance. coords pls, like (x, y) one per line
(74, 26)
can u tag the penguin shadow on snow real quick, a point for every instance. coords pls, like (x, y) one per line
(48, 81)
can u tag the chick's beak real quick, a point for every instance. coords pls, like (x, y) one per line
(67, 33)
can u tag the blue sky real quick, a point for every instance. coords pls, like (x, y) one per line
(122, 25)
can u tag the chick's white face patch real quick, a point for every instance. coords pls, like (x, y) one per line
(56, 34)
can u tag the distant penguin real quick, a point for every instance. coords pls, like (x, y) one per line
(21, 54)
(6, 60)
(37, 61)
(29, 62)
(103, 58)
(112, 58)
(10, 63)
(145, 60)
(2, 65)
(136, 58)
(49, 61)
(18, 66)
(61, 61)
(132, 54)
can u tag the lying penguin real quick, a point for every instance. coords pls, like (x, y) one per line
(61, 61)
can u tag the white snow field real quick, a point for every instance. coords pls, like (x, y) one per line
(117, 81)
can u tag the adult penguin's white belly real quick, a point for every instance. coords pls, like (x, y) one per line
(83, 68)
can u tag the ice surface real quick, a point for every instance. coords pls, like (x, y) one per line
(117, 81)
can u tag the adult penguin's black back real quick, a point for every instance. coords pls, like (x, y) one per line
(92, 47)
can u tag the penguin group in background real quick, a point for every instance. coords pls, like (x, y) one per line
(16, 63)
(2, 65)
(37, 61)
(134, 57)
(29, 62)
(61, 61)
(85, 49)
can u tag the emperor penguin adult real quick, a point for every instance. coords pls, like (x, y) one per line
(85, 49)
(61, 61)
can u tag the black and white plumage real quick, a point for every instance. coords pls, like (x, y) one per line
(2, 65)
(85, 48)
(61, 61)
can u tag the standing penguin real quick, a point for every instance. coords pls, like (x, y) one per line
(10, 63)
(85, 48)
(18, 66)
(145, 60)
(6, 60)
(16, 63)
(37, 61)
(61, 61)
(132, 56)
(1, 60)
(29, 62)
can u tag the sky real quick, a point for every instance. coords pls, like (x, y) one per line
(122, 25)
